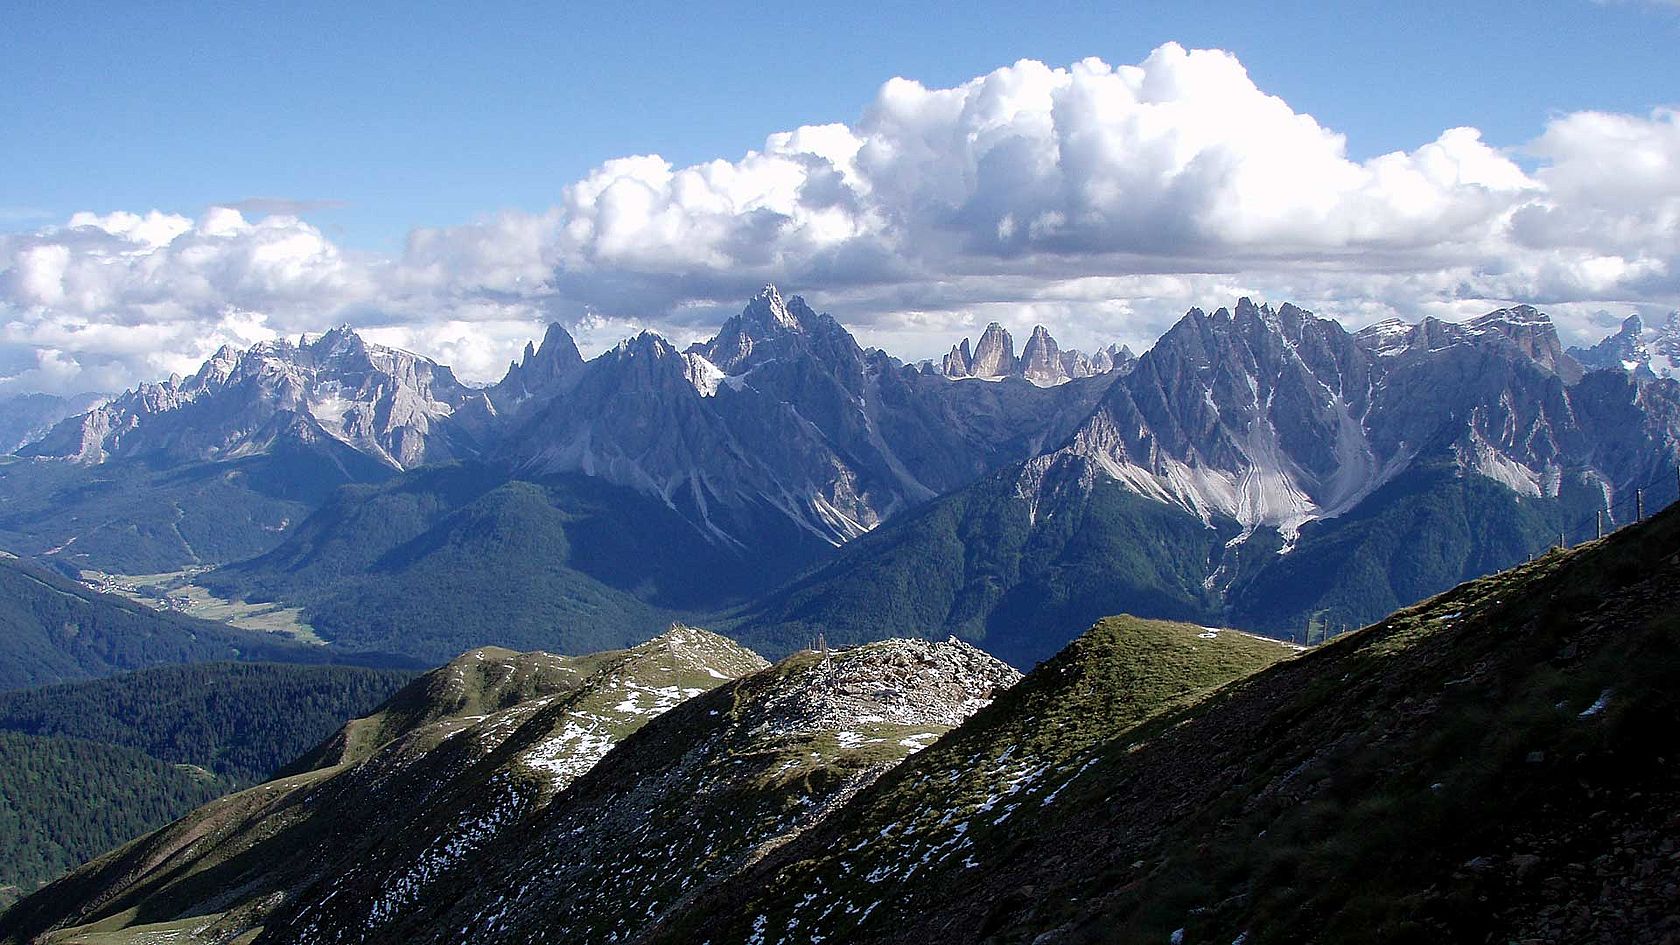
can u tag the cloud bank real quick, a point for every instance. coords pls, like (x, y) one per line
(1100, 200)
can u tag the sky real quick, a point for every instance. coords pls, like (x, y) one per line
(449, 177)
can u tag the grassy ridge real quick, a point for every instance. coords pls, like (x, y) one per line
(941, 805)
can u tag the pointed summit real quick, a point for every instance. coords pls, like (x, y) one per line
(994, 355)
(1041, 359)
(541, 372)
(958, 362)
(1624, 350)
(769, 309)
(558, 347)
(771, 327)
(338, 338)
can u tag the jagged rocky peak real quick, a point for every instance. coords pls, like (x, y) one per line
(771, 327)
(994, 353)
(337, 341)
(1041, 359)
(541, 372)
(380, 401)
(648, 355)
(960, 362)
(1635, 349)
(558, 349)
(769, 309)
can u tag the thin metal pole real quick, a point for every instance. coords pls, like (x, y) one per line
(1639, 505)
(1598, 524)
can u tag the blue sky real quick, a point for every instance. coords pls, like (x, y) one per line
(426, 114)
(450, 177)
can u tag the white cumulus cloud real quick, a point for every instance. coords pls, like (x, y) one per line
(1101, 200)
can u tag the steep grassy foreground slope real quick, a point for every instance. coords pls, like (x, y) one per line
(1496, 764)
(410, 788)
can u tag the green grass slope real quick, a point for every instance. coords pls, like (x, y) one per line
(470, 749)
(1495, 764)
(1118, 674)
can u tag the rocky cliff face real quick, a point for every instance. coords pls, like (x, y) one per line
(336, 390)
(782, 420)
(1041, 359)
(994, 353)
(1277, 417)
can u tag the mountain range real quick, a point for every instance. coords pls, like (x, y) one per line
(1258, 466)
(1042, 361)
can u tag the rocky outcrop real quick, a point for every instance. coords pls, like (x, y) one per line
(677, 814)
